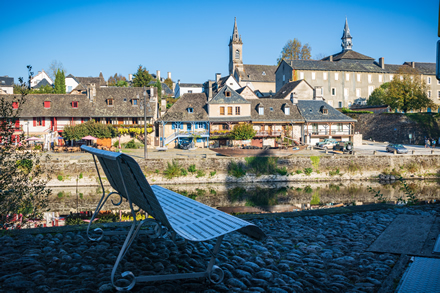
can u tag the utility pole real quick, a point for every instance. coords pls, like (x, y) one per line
(145, 124)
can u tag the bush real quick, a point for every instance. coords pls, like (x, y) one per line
(60, 177)
(131, 144)
(192, 168)
(262, 165)
(298, 171)
(172, 170)
(116, 144)
(37, 147)
(282, 171)
(200, 173)
(346, 111)
(243, 132)
(308, 189)
(212, 173)
(183, 172)
(332, 173)
(308, 171)
(236, 169)
(80, 175)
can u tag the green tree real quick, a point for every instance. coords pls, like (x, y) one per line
(407, 91)
(243, 132)
(115, 80)
(92, 128)
(379, 95)
(22, 186)
(169, 83)
(60, 82)
(142, 77)
(158, 85)
(294, 50)
(122, 83)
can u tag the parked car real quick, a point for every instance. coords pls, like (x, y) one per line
(400, 149)
(344, 146)
(327, 143)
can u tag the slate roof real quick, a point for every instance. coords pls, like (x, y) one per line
(258, 73)
(424, 68)
(178, 112)
(86, 81)
(199, 85)
(61, 105)
(311, 111)
(354, 66)
(288, 88)
(6, 81)
(220, 97)
(277, 114)
(41, 83)
(348, 54)
(222, 81)
(165, 88)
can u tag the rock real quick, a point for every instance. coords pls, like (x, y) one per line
(236, 283)
(264, 275)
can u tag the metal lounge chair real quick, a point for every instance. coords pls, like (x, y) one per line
(180, 215)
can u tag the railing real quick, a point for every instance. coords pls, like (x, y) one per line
(327, 132)
(185, 133)
(219, 133)
(268, 133)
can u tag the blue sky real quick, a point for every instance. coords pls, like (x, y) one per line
(190, 39)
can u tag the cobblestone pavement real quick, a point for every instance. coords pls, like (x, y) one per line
(302, 254)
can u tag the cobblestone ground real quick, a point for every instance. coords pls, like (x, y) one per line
(302, 254)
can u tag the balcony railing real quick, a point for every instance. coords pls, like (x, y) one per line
(268, 133)
(327, 132)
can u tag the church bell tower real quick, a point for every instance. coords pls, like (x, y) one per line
(235, 50)
(347, 44)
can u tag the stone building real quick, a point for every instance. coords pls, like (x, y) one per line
(348, 75)
(257, 77)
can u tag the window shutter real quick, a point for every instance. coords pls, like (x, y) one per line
(44, 121)
(35, 121)
(17, 123)
(181, 126)
(197, 125)
(173, 126)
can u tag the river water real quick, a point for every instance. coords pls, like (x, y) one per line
(259, 197)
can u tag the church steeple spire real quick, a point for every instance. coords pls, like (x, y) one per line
(347, 43)
(235, 50)
(235, 38)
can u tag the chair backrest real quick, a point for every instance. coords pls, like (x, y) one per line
(121, 168)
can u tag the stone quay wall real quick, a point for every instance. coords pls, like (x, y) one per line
(326, 167)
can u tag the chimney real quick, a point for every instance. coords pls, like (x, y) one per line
(152, 95)
(178, 81)
(158, 74)
(331, 58)
(382, 62)
(413, 64)
(169, 75)
(163, 107)
(210, 82)
(130, 77)
(217, 77)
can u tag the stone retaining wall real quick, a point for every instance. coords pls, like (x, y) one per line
(327, 168)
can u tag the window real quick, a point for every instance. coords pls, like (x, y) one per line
(75, 104)
(14, 105)
(134, 102)
(225, 126)
(287, 111)
(333, 91)
(69, 88)
(301, 75)
(339, 126)
(190, 110)
(134, 120)
(222, 110)
(358, 77)
(347, 76)
(336, 76)
(429, 80)
(188, 126)
(228, 94)
(263, 73)
(261, 110)
(47, 104)
(370, 78)
(438, 82)
(109, 102)
(190, 91)
(39, 121)
(324, 75)
(391, 77)
(340, 104)
(125, 100)
(380, 77)
(237, 110)
(428, 110)
(345, 92)
(237, 54)
(229, 110)
(330, 103)
(370, 90)
(438, 94)
(313, 75)
(271, 109)
(358, 93)
(325, 111)
(284, 77)
(429, 94)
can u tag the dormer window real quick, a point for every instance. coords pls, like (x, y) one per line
(190, 110)
(261, 110)
(134, 102)
(75, 104)
(324, 110)
(46, 104)
(286, 109)
(15, 105)
(271, 109)
(264, 73)
(228, 94)
(109, 102)
(125, 100)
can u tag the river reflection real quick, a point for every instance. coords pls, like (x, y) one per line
(257, 197)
